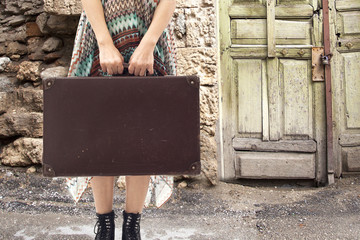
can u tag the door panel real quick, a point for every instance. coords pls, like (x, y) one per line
(268, 102)
(292, 2)
(352, 89)
(350, 23)
(350, 159)
(347, 5)
(253, 31)
(258, 10)
(297, 91)
(248, 77)
(242, 2)
(346, 97)
(275, 165)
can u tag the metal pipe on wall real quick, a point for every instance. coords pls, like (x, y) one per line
(329, 122)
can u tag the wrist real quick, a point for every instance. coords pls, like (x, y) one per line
(149, 41)
(103, 42)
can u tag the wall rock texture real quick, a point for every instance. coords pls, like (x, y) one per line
(36, 41)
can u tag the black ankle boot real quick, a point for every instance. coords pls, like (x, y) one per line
(105, 226)
(131, 226)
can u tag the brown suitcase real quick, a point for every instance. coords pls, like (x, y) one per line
(121, 125)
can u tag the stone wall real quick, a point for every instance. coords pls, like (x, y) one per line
(33, 46)
(194, 25)
(36, 40)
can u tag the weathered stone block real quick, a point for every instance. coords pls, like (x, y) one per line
(23, 152)
(32, 30)
(6, 84)
(208, 149)
(37, 56)
(29, 71)
(4, 61)
(21, 124)
(188, 3)
(208, 3)
(17, 21)
(34, 43)
(5, 101)
(208, 106)
(2, 47)
(63, 7)
(31, 169)
(57, 24)
(15, 57)
(179, 27)
(16, 48)
(29, 99)
(52, 44)
(12, 67)
(51, 57)
(20, 34)
(54, 72)
(32, 7)
(12, 7)
(200, 27)
(41, 20)
(24, 7)
(198, 61)
(66, 25)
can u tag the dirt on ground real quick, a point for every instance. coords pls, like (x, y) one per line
(37, 207)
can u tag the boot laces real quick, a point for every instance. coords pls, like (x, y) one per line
(103, 226)
(132, 227)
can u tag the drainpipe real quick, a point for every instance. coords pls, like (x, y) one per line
(329, 125)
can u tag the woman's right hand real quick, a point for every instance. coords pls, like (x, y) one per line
(111, 60)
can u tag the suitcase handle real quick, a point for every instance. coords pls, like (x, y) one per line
(126, 65)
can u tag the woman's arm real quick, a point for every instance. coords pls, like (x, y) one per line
(143, 56)
(142, 59)
(162, 16)
(95, 13)
(111, 60)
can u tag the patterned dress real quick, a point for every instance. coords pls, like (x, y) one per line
(127, 22)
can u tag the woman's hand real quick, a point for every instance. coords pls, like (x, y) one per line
(111, 60)
(142, 59)
(143, 56)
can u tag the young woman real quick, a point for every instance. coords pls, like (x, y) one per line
(111, 33)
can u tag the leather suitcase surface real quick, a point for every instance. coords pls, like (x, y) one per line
(121, 125)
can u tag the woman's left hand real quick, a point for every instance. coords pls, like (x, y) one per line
(142, 59)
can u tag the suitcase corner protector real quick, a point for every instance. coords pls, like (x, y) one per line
(48, 171)
(193, 80)
(195, 168)
(48, 83)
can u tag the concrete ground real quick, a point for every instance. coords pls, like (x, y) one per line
(35, 207)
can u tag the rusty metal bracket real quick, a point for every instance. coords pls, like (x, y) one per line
(317, 67)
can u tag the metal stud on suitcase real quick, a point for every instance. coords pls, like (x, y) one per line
(121, 125)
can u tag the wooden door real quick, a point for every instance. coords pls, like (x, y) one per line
(272, 113)
(346, 85)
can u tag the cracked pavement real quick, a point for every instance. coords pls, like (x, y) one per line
(34, 207)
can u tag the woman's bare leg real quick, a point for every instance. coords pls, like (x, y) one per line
(136, 190)
(103, 191)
